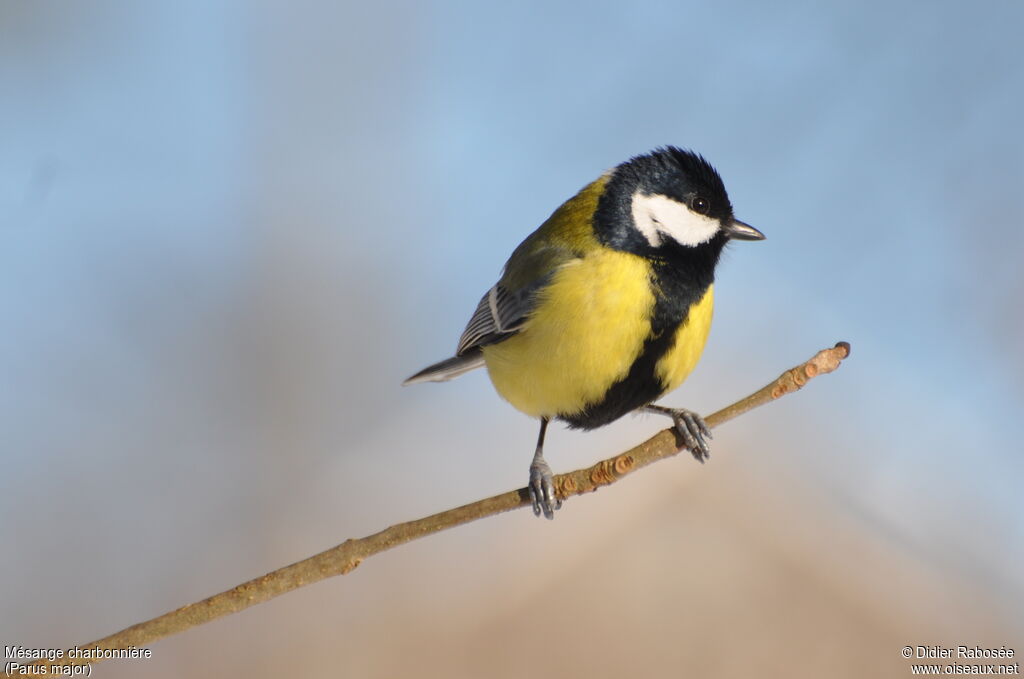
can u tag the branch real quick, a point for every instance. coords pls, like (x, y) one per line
(344, 558)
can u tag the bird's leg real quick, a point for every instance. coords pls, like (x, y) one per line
(691, 428)
(542, 486)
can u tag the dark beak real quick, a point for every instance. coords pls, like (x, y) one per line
(741, 231)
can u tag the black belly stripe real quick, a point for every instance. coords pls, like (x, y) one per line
(676, 289)
(638, 388)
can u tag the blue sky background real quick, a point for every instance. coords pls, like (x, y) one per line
(229, 230)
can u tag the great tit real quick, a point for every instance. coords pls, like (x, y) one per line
(607, 306)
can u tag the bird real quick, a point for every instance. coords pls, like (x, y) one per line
(607, 306)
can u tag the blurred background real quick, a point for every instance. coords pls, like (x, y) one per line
(228, 230)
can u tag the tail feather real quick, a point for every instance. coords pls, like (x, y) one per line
(448, 369)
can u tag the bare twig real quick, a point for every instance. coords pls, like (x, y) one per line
(348, 555)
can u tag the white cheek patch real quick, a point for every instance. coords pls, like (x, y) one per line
(656, 216)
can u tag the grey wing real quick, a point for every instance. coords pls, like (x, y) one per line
(499, 315)
(502, 311)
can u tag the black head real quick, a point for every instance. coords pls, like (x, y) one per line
(668, 202)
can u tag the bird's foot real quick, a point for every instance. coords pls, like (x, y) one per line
(691, 428)
(542, 489)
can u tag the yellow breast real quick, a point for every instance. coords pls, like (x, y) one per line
(588, 327)
(679, 361)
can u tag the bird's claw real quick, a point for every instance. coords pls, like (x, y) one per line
(542, 490)
(694, 432)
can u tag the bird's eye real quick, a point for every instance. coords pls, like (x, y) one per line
(700, 206)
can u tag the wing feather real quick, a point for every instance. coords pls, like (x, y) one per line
(503, 310)
(499, 315)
